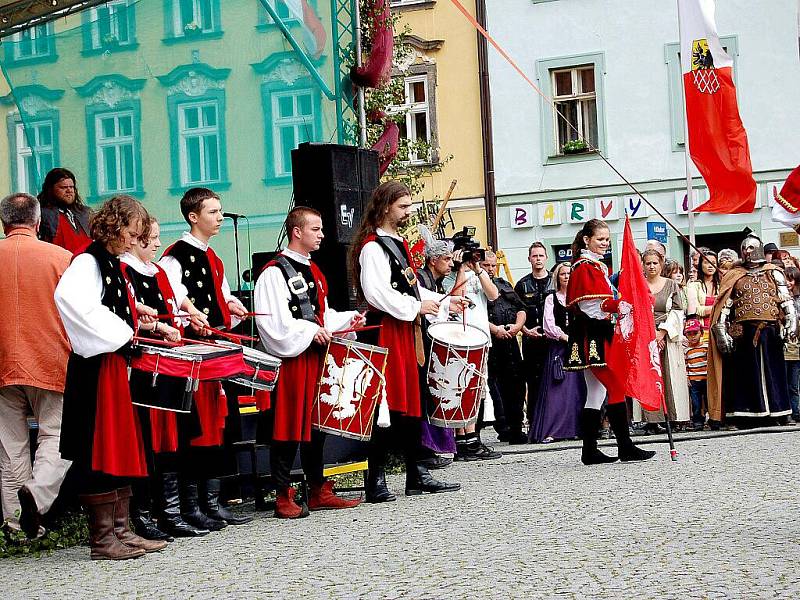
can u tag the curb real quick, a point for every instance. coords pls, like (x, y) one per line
(506, 450)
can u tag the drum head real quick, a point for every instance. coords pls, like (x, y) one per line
(455, 334)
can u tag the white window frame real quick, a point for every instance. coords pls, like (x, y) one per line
(202, 131)
(23, 151)
(36, 32)
(177, 21)
(268, 20)
(113, 6)
(580, 98)
(118, 141)
(300, 123)
(413, 108)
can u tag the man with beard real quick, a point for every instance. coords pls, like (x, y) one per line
(65, 218)
(532, 290)
(381, 264)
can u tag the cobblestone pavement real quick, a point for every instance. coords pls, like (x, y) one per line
(722, 522)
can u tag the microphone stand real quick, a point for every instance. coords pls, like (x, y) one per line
(235, 219)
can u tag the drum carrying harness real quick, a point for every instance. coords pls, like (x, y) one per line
(299, 287)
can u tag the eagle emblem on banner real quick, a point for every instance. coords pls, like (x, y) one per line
(703, 71)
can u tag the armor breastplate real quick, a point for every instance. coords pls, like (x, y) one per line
(755, 298)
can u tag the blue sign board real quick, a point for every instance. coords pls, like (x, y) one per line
(657, 230)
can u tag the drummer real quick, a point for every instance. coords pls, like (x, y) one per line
(295, 323)
(195, 269)
(381, 264)
(100, 431)
(150, 286)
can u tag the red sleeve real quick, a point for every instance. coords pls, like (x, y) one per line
(610, 305)
(587, 282)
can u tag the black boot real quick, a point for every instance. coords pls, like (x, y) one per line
(171, 520)
(590, 424)
(190, 509)
(213, 509)
(618, 419)
(377, 491)
(141, 504)
(420, 481)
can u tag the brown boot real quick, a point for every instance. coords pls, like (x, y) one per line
(122, 528)
(286, 507)
(103, 542)
(323, 498)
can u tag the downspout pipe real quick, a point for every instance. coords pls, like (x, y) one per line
(486, 128)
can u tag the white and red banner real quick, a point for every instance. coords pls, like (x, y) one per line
(717, 139)
(634, 357)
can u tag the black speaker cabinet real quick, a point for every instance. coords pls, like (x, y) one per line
(338, 182)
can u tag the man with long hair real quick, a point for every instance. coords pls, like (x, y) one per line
(381, 264)
(65, 218)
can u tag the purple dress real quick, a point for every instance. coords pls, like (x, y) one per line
(562, 394)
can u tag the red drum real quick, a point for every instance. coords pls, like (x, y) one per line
(261, 370)
(165, 378)
(350, 388)
(456, 374)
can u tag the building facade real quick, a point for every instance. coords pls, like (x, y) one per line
(443, 104)
(612, 67)
(152, 97)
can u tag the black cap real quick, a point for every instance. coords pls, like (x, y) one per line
(770, 247)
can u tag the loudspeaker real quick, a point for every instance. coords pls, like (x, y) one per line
(338, 182)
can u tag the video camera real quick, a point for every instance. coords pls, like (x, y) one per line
(471, 250)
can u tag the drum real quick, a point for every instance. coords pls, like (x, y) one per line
(261, 370)
(166, 378)
(456, 373)
(350, 388)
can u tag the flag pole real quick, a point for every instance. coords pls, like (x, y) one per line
(687, 165)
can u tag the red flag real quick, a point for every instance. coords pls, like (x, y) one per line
(634, 357)
(717, 139)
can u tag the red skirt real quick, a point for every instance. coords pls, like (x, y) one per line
(117, 448)
(212, 408)
(294, 396)
(164, 431)
(402, 372)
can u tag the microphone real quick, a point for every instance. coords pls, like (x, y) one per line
(234, 216)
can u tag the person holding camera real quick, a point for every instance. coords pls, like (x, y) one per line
(475, 284)
(532, 289)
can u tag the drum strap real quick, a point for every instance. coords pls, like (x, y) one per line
(401, 260)
(299, 287)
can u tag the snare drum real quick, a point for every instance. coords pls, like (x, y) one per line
(456, 374)
(261, 370)
(166, 378)
(350, 388)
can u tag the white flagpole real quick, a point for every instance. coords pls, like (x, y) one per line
(687, 164)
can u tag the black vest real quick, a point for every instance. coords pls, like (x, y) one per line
(560, 314)
(115, 290)
(503, 310)
(197, 276)
(313, 293)
(397, 276)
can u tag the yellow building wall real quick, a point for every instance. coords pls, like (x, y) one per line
(458, 110)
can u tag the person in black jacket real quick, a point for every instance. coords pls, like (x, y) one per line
(532, 289)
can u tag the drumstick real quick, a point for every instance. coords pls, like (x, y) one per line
(353, 329)
(451, 292)
(155, 342)
(231, 336)
(187, 315)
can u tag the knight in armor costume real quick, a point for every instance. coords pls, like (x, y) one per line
(65, 218)
(295, 323)
(100, 431)
(753, 314)
(150, 286)
(381, 264)
(507, 317)
(195, 270)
